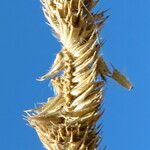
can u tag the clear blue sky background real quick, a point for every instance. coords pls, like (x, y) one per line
(27, 49)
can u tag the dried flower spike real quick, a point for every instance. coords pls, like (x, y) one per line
(68, 120)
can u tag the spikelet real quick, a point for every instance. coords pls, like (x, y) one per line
(68, 120)
(121, 79)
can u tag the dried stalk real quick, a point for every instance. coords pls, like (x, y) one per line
(68, 120)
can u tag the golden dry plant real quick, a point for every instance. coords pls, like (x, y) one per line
(78, 75)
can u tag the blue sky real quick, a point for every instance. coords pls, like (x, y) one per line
(27, 49)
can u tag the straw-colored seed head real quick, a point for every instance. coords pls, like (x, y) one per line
(67, 121)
